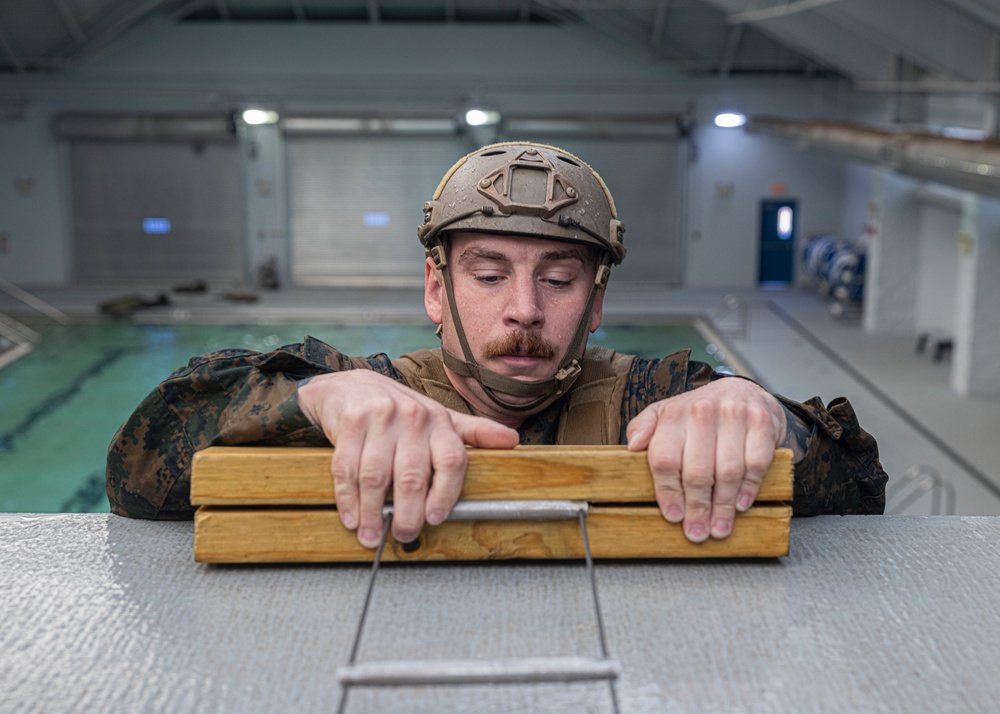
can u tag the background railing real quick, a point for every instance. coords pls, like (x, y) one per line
(17, 339)
(919, 483)
(732, 318)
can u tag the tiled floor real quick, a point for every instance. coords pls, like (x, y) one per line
(787, 339)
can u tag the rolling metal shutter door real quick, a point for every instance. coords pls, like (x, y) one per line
(355, 205)
(335, 182)
(115, 185)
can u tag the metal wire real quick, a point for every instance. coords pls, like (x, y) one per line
(345, 687)
(597, 606)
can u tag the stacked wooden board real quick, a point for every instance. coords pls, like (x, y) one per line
(276, 505)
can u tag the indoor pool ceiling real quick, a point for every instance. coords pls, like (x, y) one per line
(886, 45)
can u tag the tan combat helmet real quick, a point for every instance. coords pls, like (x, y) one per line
(533, 190)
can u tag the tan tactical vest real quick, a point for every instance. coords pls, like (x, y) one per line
(591, 414)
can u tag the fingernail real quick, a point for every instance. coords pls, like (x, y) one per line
(435, 517)
(746, 500)
(697, 533)
(722, 528)
(368, 537)
(674, 514)
(348, 519)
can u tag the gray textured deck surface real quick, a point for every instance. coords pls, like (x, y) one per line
(100, 613)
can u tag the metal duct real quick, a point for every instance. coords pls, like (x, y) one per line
(145, 127)
(961, 163)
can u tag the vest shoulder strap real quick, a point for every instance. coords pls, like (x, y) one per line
(423, 371)
(592, 414)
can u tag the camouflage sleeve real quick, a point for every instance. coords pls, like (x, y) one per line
(840, 472)
(653, 380)
(225, 398)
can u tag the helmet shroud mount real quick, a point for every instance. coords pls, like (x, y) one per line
(536, 191)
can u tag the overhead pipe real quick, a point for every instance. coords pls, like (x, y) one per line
(150, 126)
(961, 163)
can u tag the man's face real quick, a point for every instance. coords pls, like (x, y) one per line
(520, 300)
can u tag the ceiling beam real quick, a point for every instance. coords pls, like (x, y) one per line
(9, 51)
(70, 21)
(769, 13)
(299, 10)
(732, 47)
(828, 43)
(984, 10)
(659, 27)
(374, 15)
(450, 11)
(129, 19)
(116, 20)
(935, 35)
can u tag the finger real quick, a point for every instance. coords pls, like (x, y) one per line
(641, 429)
(411, 472)
(344, 468)
(665, 455)
(698, 469)
(758, 456)
(730, 449)
(449, 459)
(482, 432)
(374, 476)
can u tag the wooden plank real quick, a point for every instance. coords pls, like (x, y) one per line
(245, 475)
(303, 535)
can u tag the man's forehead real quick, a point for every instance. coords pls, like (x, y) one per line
(500, 246)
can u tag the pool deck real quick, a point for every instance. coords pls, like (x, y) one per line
(873, 614)
(785, 338)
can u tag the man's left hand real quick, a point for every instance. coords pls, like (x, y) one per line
(708, 451)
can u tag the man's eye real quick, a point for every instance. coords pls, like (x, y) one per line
(488, 279)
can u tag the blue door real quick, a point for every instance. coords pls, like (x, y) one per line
(778, 223)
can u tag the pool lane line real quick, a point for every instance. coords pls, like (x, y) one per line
(87, 496)
(57, 400)
(984, 480)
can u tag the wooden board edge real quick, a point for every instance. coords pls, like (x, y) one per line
(306, 535)
(301, 475)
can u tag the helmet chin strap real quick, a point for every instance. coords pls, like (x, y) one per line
(494, 384)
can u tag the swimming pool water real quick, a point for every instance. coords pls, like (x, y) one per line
(61, 404)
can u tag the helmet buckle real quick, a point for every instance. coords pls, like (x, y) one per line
(603, 273)
(565, 377)
(436, 253)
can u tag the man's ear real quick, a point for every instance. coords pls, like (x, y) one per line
(434, 295)
(597, 312)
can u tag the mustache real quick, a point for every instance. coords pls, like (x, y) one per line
(520, 343)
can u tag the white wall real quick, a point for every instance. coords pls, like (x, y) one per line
(975, 368)
(939, 221)
(33, 203)
(894, 256)
(723, 242)
(856, 219)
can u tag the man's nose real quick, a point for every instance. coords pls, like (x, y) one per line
(524, 306)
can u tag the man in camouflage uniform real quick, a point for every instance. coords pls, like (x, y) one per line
(520, 240)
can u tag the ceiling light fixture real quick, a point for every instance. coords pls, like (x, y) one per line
(481, 117)
(260, 116)
(730, 120)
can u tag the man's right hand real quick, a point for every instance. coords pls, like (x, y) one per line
(386, 433)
